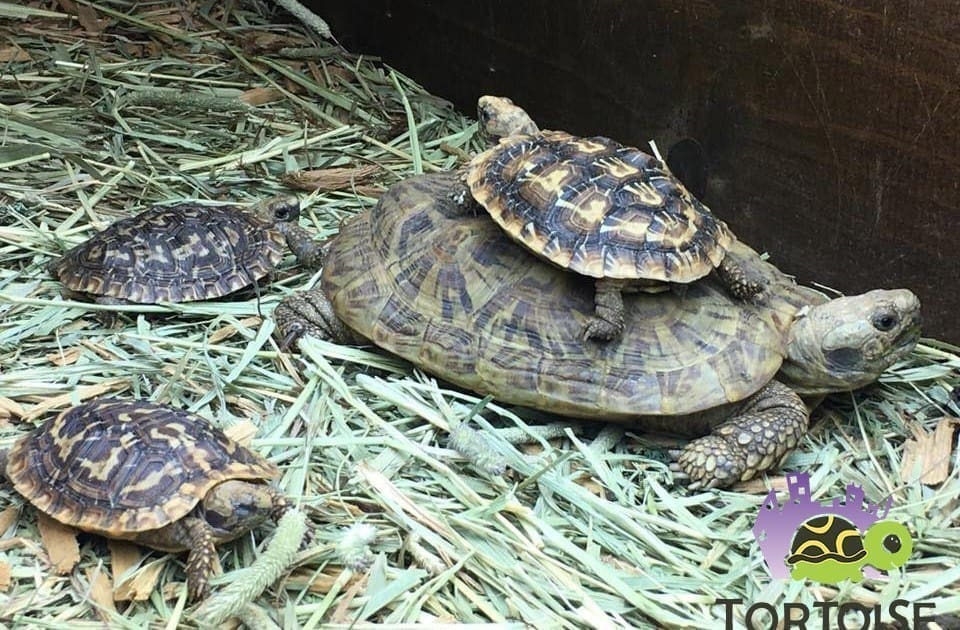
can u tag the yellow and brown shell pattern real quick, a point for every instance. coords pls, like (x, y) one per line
(598, 208)
(120, 467)
(443, 287)
(179, 253)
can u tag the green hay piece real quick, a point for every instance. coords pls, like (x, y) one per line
(247, 583)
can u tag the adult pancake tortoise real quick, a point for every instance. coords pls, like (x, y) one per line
(148, 473)
(427, 279)
(185, 252)
(600, 209)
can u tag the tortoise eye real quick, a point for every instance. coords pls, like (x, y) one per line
(885, 322)
(483, 116)
(283, 212)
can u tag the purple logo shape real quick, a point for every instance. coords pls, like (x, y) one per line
(776, 525)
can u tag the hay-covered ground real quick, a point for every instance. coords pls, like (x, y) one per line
(110, 107)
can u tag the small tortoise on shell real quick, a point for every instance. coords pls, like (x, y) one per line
(598, 208)
(185, 252)
(425, 278)
(147, 473)
(830, 549)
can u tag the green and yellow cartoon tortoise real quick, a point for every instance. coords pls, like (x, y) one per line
(830, 549)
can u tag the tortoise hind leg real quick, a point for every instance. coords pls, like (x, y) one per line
(755, 439)
(739, 279)
(607, 322)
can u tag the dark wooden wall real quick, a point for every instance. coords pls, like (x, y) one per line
(829, 130)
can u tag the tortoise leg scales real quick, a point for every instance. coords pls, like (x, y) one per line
(754, 440)
(607, 322)
(200, 561)
(281, 505)
(308, 252)
(309, 313)
(740, 280)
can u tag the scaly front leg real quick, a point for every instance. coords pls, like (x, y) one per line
(308, 252)
(200, 562)
(755, 439)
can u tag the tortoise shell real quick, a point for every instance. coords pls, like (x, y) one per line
(179, 253)
(120, 467)
(597, 207)
(827, 537)
(428, 280)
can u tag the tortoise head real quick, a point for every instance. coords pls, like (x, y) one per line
(280, 209)
(848, 342)
(234, 507)
(888, 545)
(498, 118)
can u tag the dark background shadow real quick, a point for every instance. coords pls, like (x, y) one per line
(825, 133)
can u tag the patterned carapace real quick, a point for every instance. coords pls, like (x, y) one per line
(598, 208)
(178, 253)
(121, 467)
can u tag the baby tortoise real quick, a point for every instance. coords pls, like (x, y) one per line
(185, 252)
(427, 279)
(148, 473)
(600, 209)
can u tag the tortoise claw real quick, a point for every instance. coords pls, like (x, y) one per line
(292, 334)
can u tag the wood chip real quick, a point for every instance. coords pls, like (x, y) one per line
(10, 408)
(139, 584)
(261, 96)
(60, 541)
(325, 179)
(123, 555)
(14, 53)
(86, 16)
(929, 452)
(763, 485)
(4, 576)
(317, 582)
(67, 357)
(341, 614)
(242, 432)
(101, 592)
(8, 517)
(101, 352)
(225, 332)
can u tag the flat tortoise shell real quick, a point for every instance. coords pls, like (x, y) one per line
(598, 208)
(184, 252)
